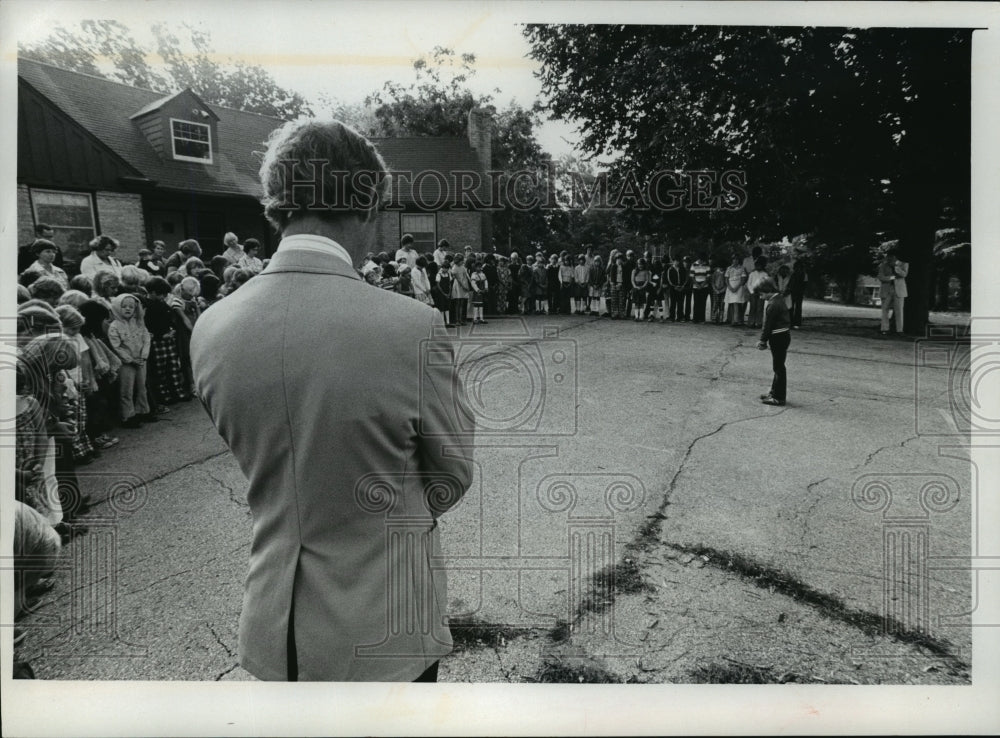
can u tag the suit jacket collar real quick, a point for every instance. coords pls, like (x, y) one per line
(296, 260)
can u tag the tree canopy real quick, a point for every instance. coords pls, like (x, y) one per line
(437, 102)
(836, 130)
(186, 53)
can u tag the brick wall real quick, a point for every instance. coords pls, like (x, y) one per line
(387, 233)
(25, 218)
(461, 229)
(120, 216)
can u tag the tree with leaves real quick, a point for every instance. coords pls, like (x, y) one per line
(836, 130)
(187, 57)
(437, 103)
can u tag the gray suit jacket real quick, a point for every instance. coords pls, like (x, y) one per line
(349, 440)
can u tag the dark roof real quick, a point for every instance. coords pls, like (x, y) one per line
(105, 108)
(157, 104)
(428, 154)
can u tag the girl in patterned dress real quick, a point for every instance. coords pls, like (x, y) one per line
(503, 286)
(164, 355)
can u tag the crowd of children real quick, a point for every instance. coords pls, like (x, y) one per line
(644, 288)
(106, 348)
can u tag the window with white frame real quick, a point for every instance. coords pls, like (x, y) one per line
(71, 217)
(191, 141)
(423, 228)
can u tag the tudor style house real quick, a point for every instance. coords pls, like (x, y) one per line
(96, 156)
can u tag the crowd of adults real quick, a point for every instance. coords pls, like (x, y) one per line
(102, 349)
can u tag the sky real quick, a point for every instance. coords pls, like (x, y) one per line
(344, 50)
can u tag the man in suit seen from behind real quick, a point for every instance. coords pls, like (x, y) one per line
(352, 443)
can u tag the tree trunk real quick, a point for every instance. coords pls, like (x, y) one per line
(941, 287)
(848, 284)
(936, 151)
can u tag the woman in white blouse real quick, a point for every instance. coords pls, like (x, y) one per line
(421, 282)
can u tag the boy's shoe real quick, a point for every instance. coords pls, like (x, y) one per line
(132, 423)
(162, 410)
(765, 396)
(773, 401)
(149, 418)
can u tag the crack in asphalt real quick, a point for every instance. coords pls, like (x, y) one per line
(201, 565)
(694, 442)
(654, 523)
(877, 451)
(233, 495)
(881, 360)
(809, 511)
(219, 640)
(227, 671)
(164, 475)
(727, 357)
(504, 671)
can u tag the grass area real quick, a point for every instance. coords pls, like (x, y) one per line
(826, 604)
(558, 671)
(733, 673)
(471, 633)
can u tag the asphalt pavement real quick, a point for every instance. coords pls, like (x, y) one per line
(637, 515)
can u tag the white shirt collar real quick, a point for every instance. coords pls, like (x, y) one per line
(312, 242)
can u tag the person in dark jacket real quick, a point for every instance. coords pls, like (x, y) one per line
(526, 280)
(675, 282)
(552, 275)
(777, 335)
(628, 267)
(493, 283)
(514, 288)
(26, 254)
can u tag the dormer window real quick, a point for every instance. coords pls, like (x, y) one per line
(191, 141)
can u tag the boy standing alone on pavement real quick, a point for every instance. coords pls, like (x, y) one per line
(775, 334)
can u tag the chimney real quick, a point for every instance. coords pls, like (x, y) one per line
(481, 136)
